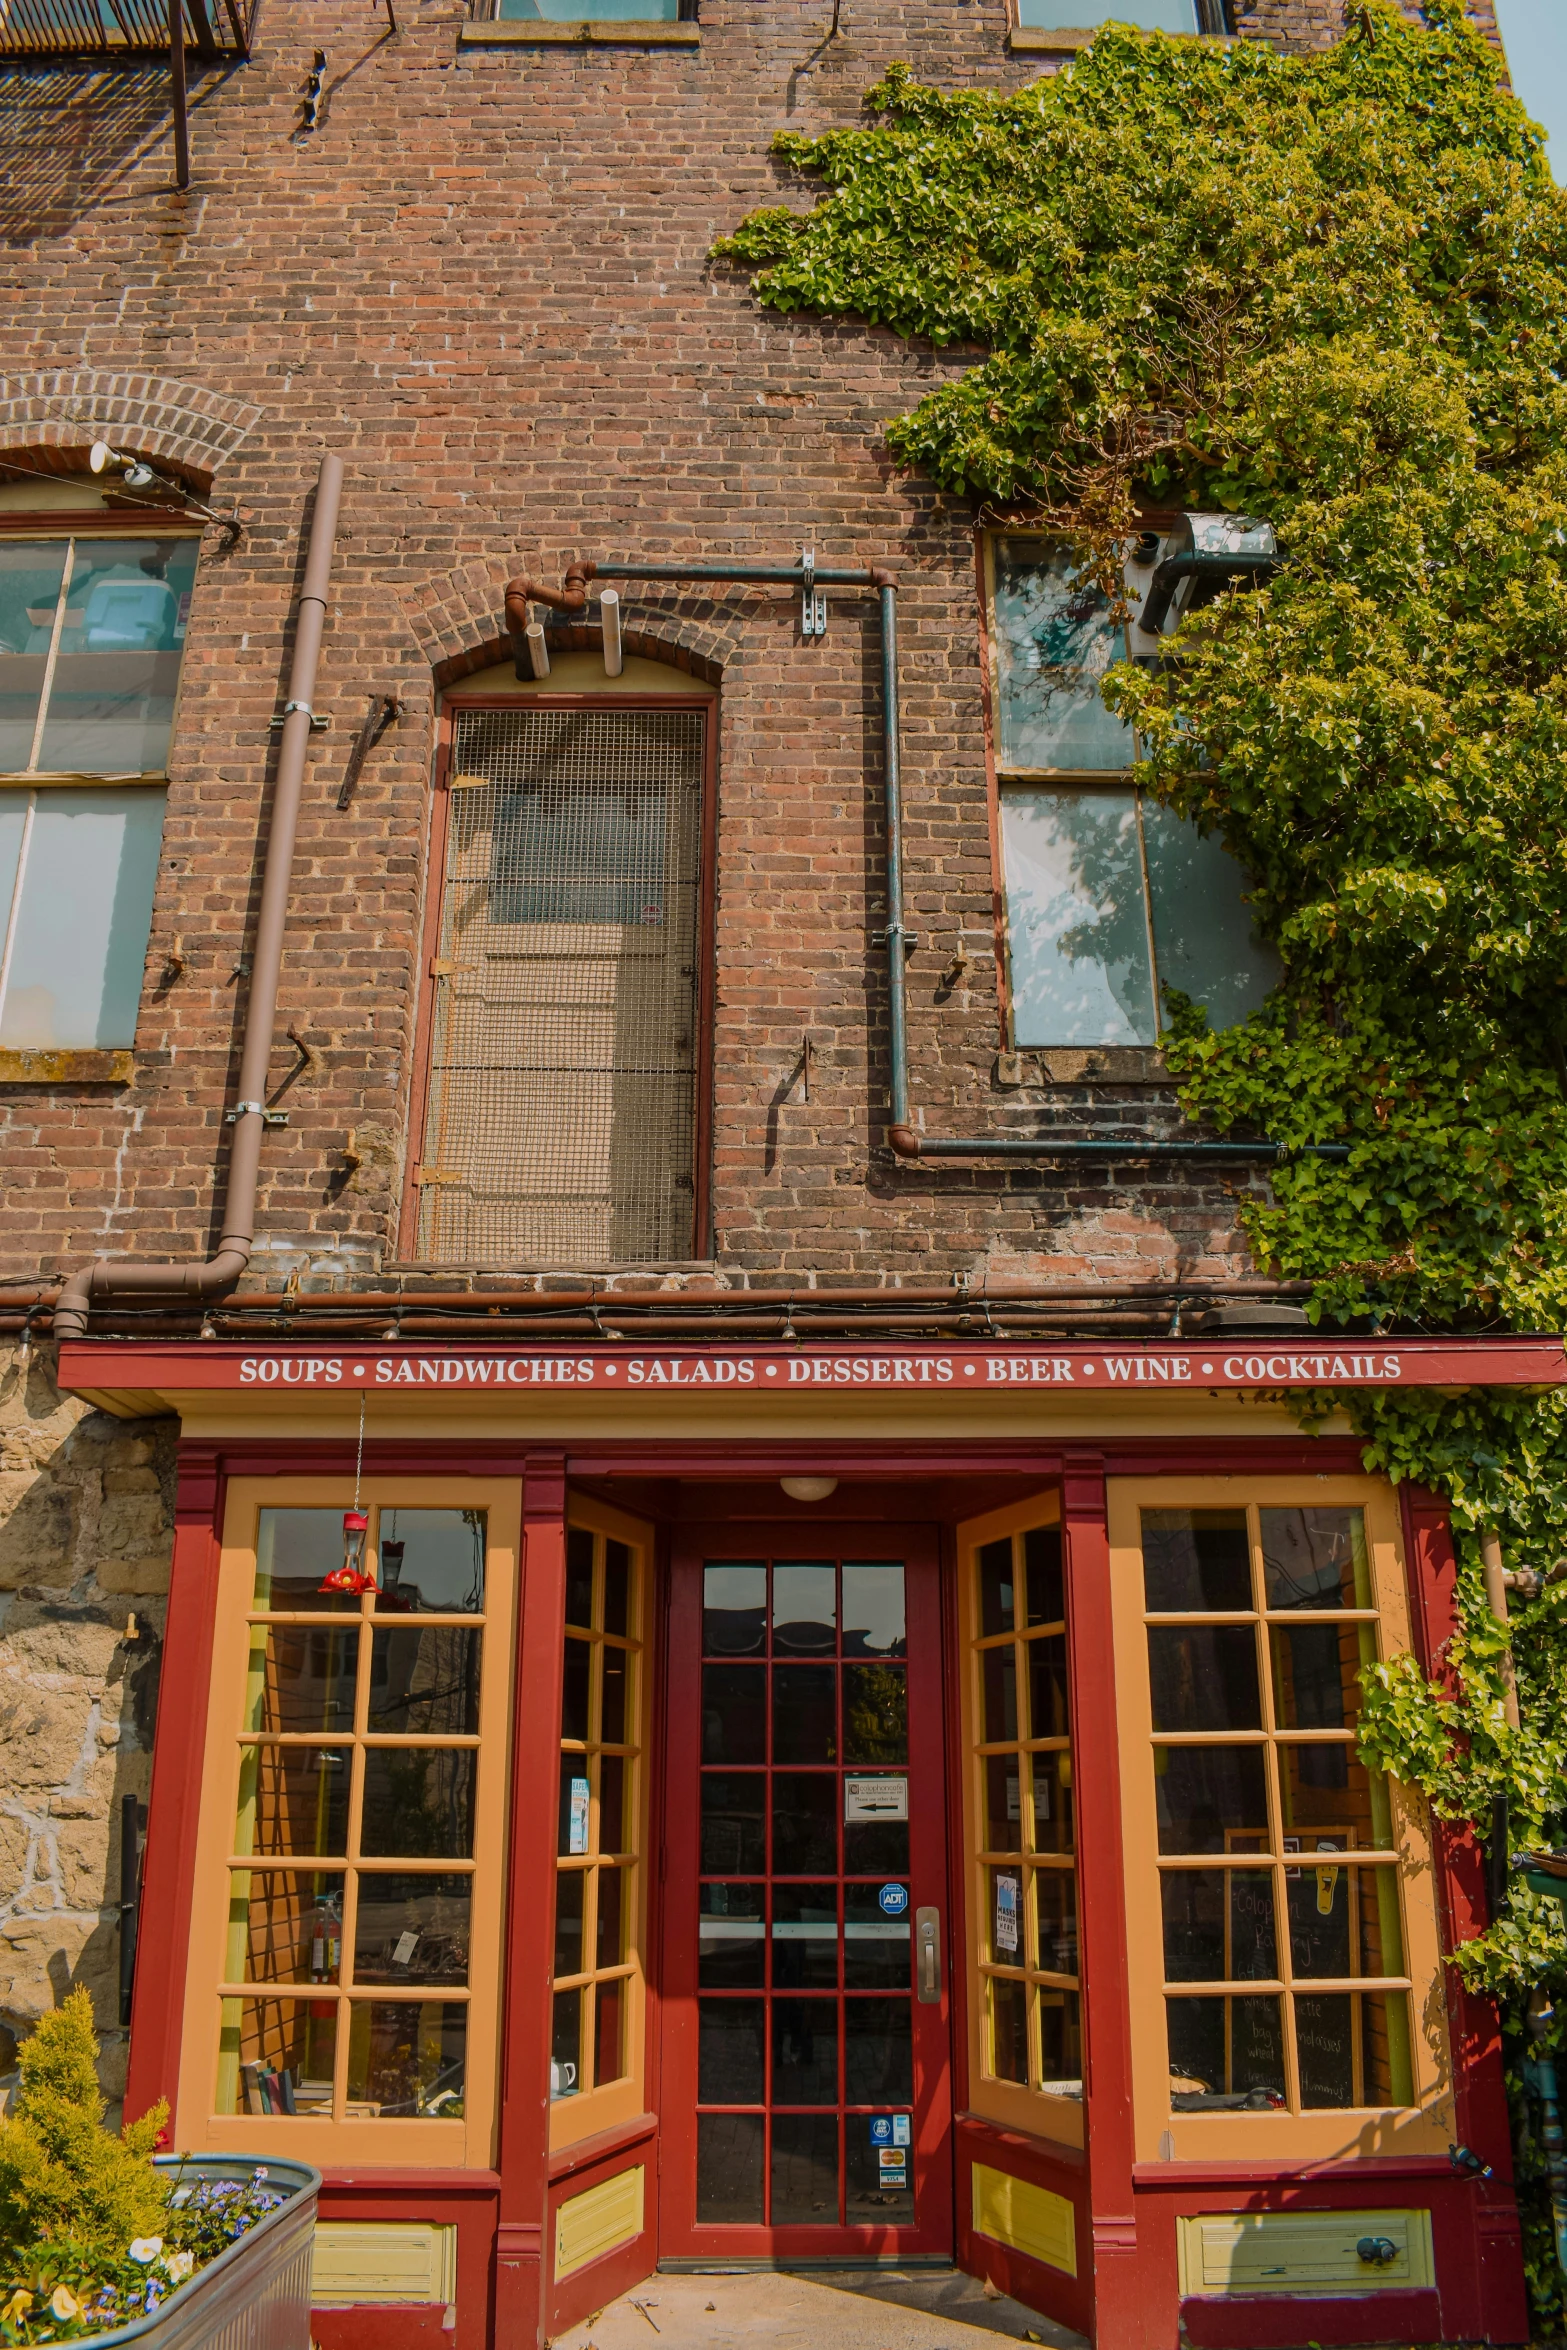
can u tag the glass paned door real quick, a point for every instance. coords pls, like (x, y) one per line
(806, 2015)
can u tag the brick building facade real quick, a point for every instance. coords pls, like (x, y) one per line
(475, 268)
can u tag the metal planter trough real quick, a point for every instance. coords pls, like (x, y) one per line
(254, 2296)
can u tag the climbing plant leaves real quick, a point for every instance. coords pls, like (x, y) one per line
(1330, 289)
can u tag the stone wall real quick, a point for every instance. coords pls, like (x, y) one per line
(85, 1536)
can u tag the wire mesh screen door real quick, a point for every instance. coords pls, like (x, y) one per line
(560, 1127)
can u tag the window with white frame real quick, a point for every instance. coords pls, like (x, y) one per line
(92, 634)
(1111, 899)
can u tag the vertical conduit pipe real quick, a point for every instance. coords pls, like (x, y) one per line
(110, 1277)
(904, 1137)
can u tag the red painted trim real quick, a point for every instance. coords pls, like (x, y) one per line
(807, 1367)
(955, 1659)
(682, 2236)
(383, 2326)
(587, 2289)
(521, 2270)
(1121, 2309)
(606, 2148)
(1062, 2170)
(769, 1457)
(1258, 2321)
(1483, 2292)
(464, 2200)
(179, 1742)
(706, 1059)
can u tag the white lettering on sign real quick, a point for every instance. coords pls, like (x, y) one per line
(973, 1372)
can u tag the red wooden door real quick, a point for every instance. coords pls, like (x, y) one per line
(806, 2087)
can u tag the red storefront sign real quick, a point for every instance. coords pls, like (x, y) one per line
(774, 1370)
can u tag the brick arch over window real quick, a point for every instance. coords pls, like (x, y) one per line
(55, 418)
(458, 624)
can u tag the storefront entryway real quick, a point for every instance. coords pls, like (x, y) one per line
(806, 2057)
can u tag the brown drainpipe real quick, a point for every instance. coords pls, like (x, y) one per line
(111, 1276)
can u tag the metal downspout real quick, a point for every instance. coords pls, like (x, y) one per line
(111, 1277)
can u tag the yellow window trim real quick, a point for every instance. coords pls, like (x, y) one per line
(575, 2118)
(1035, 2111)
(1426, 2127)
(468, 2143)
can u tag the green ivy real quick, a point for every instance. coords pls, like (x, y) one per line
(1330, 289)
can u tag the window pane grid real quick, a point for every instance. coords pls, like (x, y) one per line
(361, 2025)
(1028, 1973)
(1302, 2009)
(596, 1961)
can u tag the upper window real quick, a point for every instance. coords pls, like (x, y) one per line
(1111, 899)
(1161, 16)
(1293, 1957)
(582, 11)
(78, 865)
(343, 1965)
(561, 1112)
(92, 632)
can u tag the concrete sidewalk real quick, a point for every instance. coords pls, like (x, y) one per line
(870, 2309)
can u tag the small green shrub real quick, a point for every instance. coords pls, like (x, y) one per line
(91, 2236)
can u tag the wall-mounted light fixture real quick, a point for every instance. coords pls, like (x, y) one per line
(809, 1488)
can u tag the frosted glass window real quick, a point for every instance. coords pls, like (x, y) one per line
(92, 633)
(77, 868)
(1107, 902)
(1077, 925)
(1054, 643)
(1162, 16)
(1534, 35)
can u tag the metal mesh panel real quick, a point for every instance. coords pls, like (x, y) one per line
(561, 1117)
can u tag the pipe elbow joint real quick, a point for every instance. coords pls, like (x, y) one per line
(904, 1141)
(881, 578)
(571, 598)
(70, 1307)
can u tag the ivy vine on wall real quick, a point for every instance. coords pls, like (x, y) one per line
(1331, 290)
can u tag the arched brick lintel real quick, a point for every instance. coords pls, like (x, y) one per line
(52, 419)
(458, 625)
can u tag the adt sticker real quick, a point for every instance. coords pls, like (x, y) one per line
(894, 1900)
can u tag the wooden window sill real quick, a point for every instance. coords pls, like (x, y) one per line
(66, 1068)
(651, 33)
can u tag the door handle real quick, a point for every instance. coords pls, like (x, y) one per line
(927, 1956)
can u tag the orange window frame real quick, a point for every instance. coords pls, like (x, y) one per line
(465, 2143)
(1426, 2124)
(1039, 2110)
(610, 2106)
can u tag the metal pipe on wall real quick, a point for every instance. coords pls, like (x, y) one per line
(110, 1277)
(905, 1138)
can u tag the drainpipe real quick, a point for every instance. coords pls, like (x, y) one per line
(905, 1138)
(110, 1277)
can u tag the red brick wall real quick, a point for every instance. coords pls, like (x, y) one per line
(484, 281)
